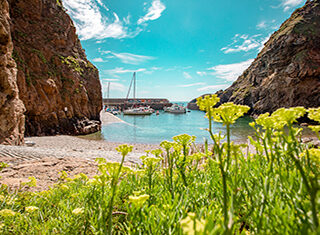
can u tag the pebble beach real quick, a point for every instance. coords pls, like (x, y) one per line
(43, 157)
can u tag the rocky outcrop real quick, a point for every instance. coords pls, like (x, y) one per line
(11, 107)
(286, 72)
(192, 105)
(59, 87)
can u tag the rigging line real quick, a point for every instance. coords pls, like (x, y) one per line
(130, 87)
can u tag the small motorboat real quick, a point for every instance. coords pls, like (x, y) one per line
(175, 108)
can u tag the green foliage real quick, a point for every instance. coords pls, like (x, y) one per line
(17, 58)
(59, 3)
(40, 55)
(72, 63)
(90, 65)
(274, 189)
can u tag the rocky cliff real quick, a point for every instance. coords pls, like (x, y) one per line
(287, 71)
(11, 107)
(59, 87)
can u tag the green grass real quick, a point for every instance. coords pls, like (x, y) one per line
(176, 190)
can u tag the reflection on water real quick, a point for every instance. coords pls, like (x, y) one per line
(156, 128)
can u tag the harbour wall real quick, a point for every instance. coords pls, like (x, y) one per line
(157, 104)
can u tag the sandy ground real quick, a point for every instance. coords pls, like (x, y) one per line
(52, 154)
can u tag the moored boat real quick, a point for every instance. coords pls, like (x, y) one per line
(175, 108)
(138, 111)
(134, 110)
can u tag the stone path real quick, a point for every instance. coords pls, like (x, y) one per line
(20, 153)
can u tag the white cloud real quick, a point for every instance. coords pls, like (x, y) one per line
(187, 75)
(193, 84)
(98, 60)
(129, 58)
(187, 67)
(114, 86)
(154, 12)
(288, 4)
(230, 72)
(152, 69)
(92, 24)
(144, 92)
(213, 88)
(262, 25)
(267, 25)
(114, 72)
(101, 4)
(201, 73)
(109, 79)
(263, 42)
(247, 43)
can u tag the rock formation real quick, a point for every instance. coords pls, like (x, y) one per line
(286, 72)
(193, 103)
(59, 87)
(11, 107)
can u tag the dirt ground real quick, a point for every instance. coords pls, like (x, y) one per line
(45, 170)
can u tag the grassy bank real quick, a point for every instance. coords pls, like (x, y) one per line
(221, 190)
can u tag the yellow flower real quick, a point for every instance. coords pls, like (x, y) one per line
(31, 209)
(138, 201)
(156, 152)
(7, 213)
(78, 211)
(315, 155)
(63, 175)
(197, 156)
(314, 114)
(64, 187)
(184, 139)
(315, 129)
(151, 161)
(2, 198)
(124, 149)
(289, 115)
(166, 145)
(31, 183)
(1, 226)
(229, 112)
(207, 102)
(92, 181)
(191, 225)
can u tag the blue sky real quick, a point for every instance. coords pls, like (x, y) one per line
(180, 49)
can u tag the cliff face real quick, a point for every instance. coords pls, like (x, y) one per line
(287, 71)
(59, 87)
(11, 107)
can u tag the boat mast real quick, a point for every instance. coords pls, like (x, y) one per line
(134, 86)
(108, 93)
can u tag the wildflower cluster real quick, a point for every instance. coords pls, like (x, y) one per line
(182, 188)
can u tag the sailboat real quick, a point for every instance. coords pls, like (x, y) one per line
(134, 109)
(113, 110)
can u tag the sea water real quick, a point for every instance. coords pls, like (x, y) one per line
(155, 128)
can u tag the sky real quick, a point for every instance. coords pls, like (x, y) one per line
(180, 49)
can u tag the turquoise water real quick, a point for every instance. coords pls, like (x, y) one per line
(156, 128)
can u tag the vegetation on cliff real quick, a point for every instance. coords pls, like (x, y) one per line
(59, 87)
